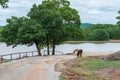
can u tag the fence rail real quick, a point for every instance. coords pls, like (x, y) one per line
(15, 56)
(20, 55)
(56, 52)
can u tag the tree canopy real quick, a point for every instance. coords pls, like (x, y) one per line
(47, 24)
(55, 16)
(23, 31)
(110, 32)
(118, 23)
(3, 3)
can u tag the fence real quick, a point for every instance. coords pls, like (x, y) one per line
(56, 52)
(15, 56)
(20, 55)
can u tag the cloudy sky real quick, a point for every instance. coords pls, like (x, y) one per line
(90, 11)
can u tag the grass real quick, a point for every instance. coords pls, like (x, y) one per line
(93, 65)
(62, 79)
(84, 67)
(81, 70)
(85, 74)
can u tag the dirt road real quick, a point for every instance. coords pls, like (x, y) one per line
(34, 68)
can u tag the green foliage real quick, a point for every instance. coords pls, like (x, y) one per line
(75, 34)
(102, 32)
(118, 23)
(47, 24)
(70, 16)
(3, 3)
(98, 35)
(114, 33)
(1, 28)
(23, 31)
(55, 16)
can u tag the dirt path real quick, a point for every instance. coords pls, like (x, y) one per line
(34, 68)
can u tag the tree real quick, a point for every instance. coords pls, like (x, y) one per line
(1, 28)
(54, 16)
(115, 33)
(98, 35)
(23, 31)
(112, 30)
(75, 34)
(70, 16)
(3, 3)
(118, 23)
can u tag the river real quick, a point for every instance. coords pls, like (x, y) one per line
(65, 48)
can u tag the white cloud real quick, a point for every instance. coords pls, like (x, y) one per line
(16, 8)
(93, 11)
(97, 11)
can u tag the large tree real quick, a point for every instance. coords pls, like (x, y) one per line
(118, 23)
(55, 15)
(3, 3)
(23, 31)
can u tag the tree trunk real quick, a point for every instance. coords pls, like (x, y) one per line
(53, 51)
(48, 46)
(38, 49)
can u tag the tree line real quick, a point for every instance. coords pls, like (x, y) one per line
(101, 32)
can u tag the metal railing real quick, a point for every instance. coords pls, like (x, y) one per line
(15, 56)
(56, 52)
(20, 55)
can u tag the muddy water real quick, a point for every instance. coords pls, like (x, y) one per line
(66, 48)
(90, 47)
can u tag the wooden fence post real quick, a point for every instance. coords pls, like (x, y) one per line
(2, 59)
(19, 55)
(11, 56)
(26, 54)
(44, 53)
(32, 54)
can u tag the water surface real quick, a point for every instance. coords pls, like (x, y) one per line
(90, 47)
(66, 48)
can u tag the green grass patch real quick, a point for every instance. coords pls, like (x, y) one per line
(82, 71)
(85, 73)
(93, 65)
(61, 79)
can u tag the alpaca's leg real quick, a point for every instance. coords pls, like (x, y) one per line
(77, 54)
(80, 54)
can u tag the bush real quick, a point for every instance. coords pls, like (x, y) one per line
(98, 35)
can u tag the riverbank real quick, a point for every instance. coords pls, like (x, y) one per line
(78, 42)
(91, 68)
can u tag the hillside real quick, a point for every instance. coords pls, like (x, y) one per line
(85, 25)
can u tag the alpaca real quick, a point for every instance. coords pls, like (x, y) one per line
(79, 52)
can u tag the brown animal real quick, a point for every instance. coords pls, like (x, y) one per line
(79, 52)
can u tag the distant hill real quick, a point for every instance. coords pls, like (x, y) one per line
(85, 25)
